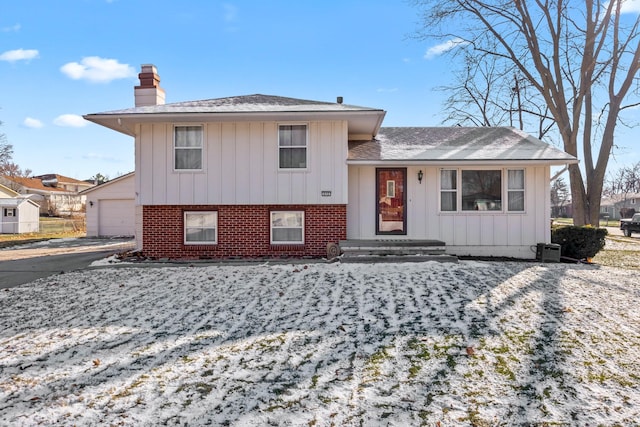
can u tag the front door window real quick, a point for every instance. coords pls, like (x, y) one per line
(391, 196)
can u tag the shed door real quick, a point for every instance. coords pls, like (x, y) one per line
(391, 215)
(116, 217)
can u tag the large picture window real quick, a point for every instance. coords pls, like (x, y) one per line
(481, 190)
(292, 146)
(287, 227)
(200, 228)
(187, 147)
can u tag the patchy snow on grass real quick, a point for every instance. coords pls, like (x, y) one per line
(474, 343)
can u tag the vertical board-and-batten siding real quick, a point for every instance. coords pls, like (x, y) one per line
(465, 233)
(240, 166)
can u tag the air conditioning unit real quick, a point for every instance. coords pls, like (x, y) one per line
(548, 252)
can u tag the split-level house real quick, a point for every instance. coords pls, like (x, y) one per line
(264, 176)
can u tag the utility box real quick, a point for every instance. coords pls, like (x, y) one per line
(548, 252)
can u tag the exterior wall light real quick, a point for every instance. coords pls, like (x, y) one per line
(420, 175)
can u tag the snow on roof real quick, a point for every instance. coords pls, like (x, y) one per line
(455, 144)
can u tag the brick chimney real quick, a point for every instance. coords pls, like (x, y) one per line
(149, 92)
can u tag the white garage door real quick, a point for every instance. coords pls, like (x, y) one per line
(116, 217)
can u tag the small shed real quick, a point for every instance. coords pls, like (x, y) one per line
(19, 215)
(111, 208)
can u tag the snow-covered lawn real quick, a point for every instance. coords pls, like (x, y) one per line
(474, 343)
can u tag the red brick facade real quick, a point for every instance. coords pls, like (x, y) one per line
(243, 231)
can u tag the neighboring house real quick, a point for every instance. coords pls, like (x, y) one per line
(260, 175)
(615, 205)
(111, 207)
(19, 214)
(6, 192)
(57, 195)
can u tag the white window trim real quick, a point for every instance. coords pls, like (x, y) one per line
(271, 227)
(306, 124)
(184, 229)
(523, 190)
(10, 212)
(441, 190)
(504, 189)
(174, 148)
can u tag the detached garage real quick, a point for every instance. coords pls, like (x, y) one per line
(111, 208)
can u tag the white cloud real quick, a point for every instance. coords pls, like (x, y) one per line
(19, 55)
(631, 6)
(11, 28)
(70, 120)
(97, 70)
(32, 123)
(441, 48)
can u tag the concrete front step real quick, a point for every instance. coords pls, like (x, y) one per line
(392, 247)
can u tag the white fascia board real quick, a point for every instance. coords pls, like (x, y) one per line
(460, 163)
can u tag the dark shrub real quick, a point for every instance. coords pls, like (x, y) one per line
(579, 242)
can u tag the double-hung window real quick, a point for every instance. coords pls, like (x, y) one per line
(448, 190)
(287, 227)
(187, 146)
(292, 146)
(515, 190)
(201, 228)
(9, 212)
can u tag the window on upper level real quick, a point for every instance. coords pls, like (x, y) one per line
(292, 146)
(187, 146)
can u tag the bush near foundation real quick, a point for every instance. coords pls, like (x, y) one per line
(579, 242)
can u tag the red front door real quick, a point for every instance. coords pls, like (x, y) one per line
(391, 215)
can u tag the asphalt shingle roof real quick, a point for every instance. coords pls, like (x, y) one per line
(244, 104)
(453, 144)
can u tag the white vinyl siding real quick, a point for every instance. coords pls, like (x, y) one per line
(287, 227)
(200, 228)
(489, 233)
(240, 166)
(187, 142)
(292, 146)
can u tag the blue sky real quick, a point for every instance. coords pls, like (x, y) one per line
(65, 58)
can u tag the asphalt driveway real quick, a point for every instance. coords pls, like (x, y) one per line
(26, 263)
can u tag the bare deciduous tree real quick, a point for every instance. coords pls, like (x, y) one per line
(625, 180)
(7, 167)
(581, 57)
(485, 93)
(559, 197)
